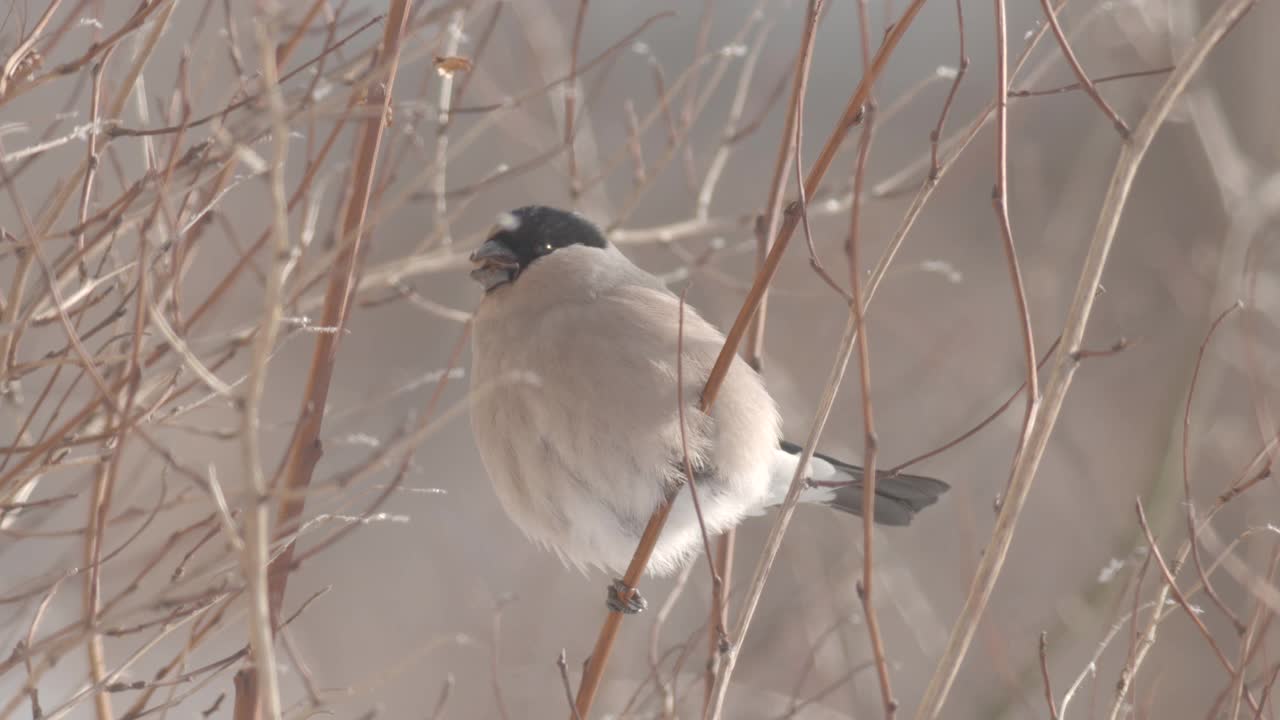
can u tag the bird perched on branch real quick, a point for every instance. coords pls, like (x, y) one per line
(574, 407)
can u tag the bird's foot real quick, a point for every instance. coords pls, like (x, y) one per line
(623, 599)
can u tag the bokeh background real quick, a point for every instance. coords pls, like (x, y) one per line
(442, 590)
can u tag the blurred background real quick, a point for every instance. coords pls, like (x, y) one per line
(430, 603)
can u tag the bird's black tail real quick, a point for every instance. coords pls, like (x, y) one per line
(898, 497)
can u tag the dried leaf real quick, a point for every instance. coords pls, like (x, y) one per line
(451, 64)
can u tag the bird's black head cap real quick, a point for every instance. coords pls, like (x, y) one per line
(525, 234)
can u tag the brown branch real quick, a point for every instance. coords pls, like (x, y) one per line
(444, 697)
(718, 621)
(690, 479)
(753, 354)
(100, 502)
(1251, 639)
(444, 117)
(1192, 535)
(978, 427)
(870, 441)
(935, 135)
(1081, 76)
(114, 131)
(1266, 691)
(1177, 592)
(304, 450)
(999, 203)
(1097, 81)
(801, 205)
(1044, 674)
(427, 422)
(286, 48)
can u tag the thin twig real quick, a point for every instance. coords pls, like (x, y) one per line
(1081, 76)
(444, 105)
(495, 672)
(564, 669)
(870, 441)
(445, 689)
(1178, 595)
(980, 425)
(787, 509)
(690, 477)
(935, 135)
(1097, 81)
(1044, 674)
(1000, 204)
(1192, 535)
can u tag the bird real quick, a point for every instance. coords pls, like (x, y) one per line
(574, 408)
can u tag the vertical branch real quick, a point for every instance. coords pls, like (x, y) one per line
(768, 225)
(571, 96)
(787, 509)
(91, 160)
(754, 355)
(1192, 534)
(599, 658)
(101, 491)
(1044, 675)
(99, 505)
(257, 503)
(717, 632)
(444, 108)
(999, 203)
(718, 622)
(871, 445)
(1065, 361)
(638, 174)
(936, 135)
(870, 440)
(304, 447)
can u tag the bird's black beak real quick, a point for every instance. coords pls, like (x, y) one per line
(497, 264)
